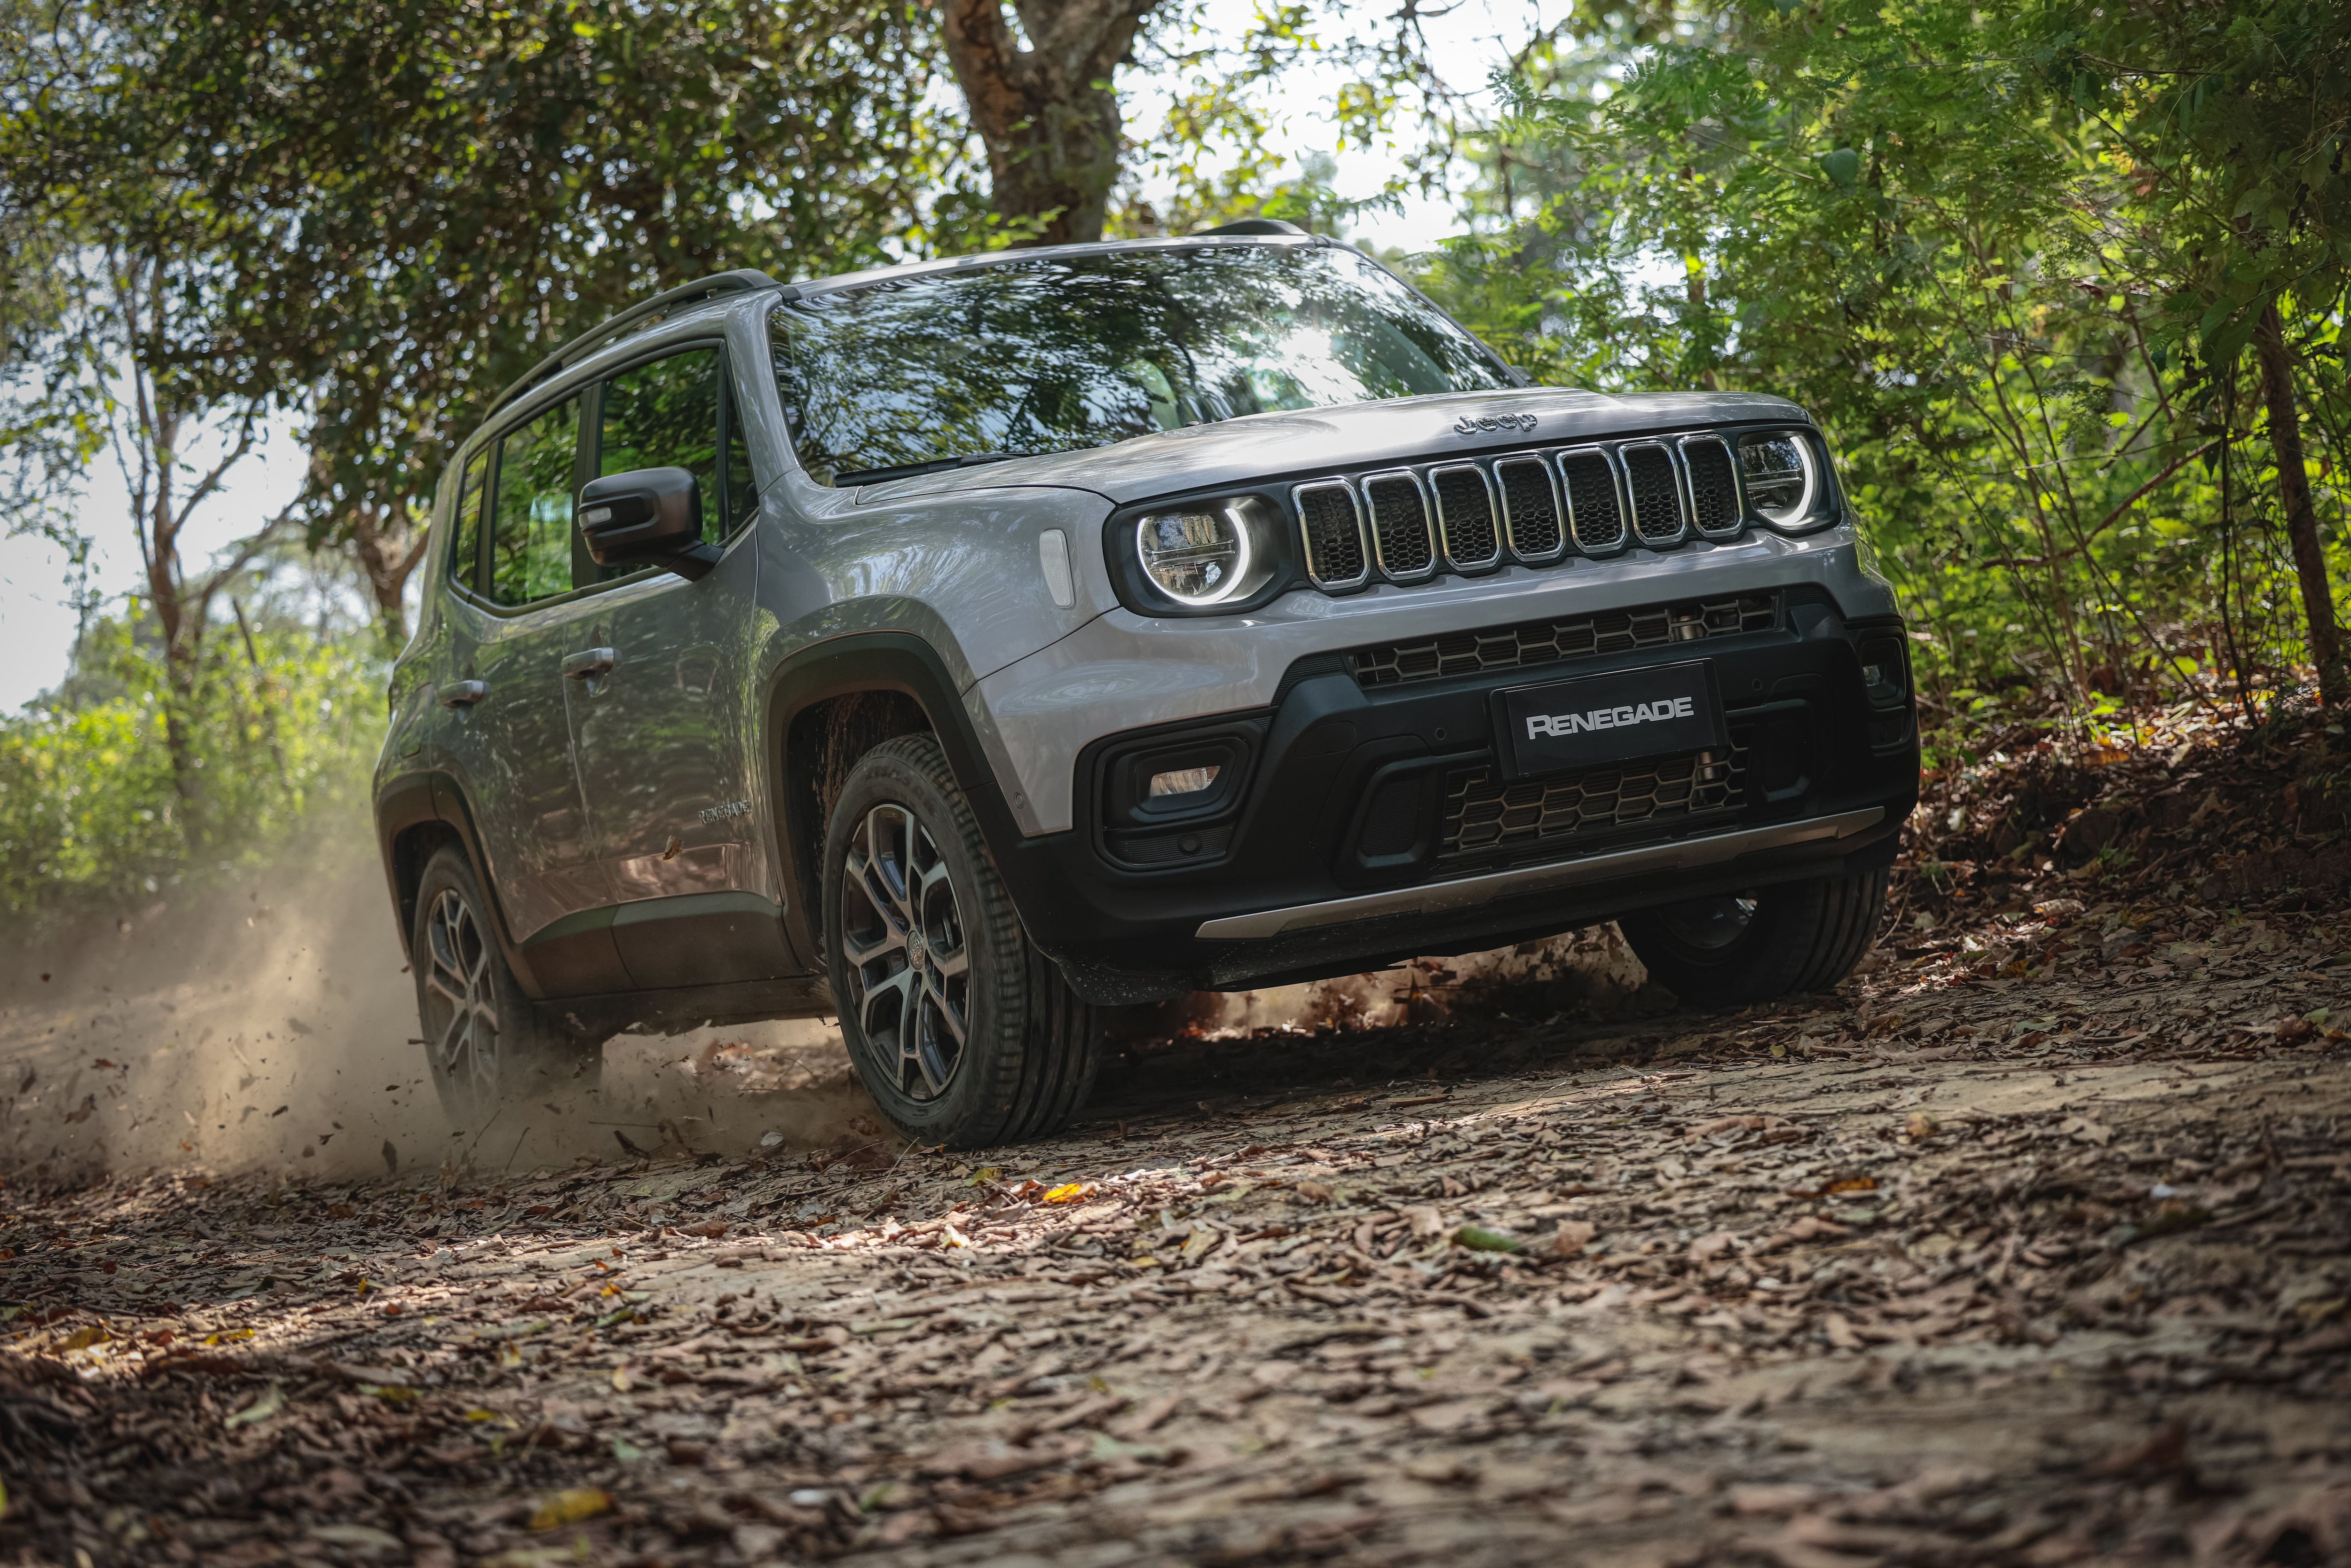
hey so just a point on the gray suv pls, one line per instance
(965, 647)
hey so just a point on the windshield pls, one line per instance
(1068, 351)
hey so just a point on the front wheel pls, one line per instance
(961, 1031)
(486, 1042)
(1731, 949)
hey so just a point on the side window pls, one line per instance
(466, 552)
(530, 524)
(666, 416)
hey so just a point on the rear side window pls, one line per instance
(530, 523)
(465, 553)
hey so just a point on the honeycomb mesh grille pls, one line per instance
(1334, 545)
(1400, 523)
(1591, 501)
(1466, 508)
(1533, 509)
(1714, 492)
(1656, 499)
(1482, 812)
(1549, 642)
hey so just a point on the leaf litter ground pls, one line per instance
(2029, 1246)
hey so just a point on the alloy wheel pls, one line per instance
(462, 1009)
(903, 935)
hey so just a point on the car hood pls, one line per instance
(1261, 446)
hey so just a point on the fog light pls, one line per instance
(1182, 781)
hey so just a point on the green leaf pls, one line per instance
(1478, 1239)
(1842, 167)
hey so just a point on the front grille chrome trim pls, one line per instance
(1694, 853)
(1379, 540)
(1445, 523)
(1511, 540)
(1577, 528)
(1738, 524)
(1306, 541)
(1680, 482)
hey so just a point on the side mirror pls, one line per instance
(646, 517)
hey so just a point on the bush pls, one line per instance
(89, 810)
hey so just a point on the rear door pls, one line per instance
(514, 616)
(663, 731)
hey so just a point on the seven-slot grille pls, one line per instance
(1407, 523)
(1548, 642)
(1483, 812)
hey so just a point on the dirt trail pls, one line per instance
(2032, 1246)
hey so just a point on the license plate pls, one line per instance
(1609, 718)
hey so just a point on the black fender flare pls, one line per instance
(411, 800)
(840, 667)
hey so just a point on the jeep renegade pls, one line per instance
(963, 646)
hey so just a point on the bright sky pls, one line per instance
(37, 621)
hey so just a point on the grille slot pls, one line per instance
(1592, 507)
(1332, 533)
(1656, 495)
(1400, 526)
(1713, 486)
(1530, 508)
(1549, 642)
(1483, 812)
(1465, 517)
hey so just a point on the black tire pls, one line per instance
(1733, 949)
(486, 1043)
(921, 939)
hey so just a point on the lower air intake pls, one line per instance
(1482, 812)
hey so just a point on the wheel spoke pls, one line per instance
(900, 987)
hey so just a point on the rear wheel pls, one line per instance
(486, 1042)
(961, 1031)
(1735, 948)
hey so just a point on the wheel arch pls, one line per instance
(826, 705)
(416, 817)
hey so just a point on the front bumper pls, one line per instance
(1361, 818)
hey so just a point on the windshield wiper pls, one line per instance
(908, 470)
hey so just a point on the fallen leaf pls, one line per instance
(1068, 1192)
(272, 1400)
(1573, 1237)
(1712, 1246)
(1478, 1239)
(1316, 1192)
(570, 1506)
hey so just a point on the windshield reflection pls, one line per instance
(1044, 355)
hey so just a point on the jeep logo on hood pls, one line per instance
(1467, 425)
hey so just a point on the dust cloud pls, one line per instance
(268, 1022)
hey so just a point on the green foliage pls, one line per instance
(1908, 219)
(89, 812)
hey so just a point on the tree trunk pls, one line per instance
(1046, 113)
(2300, 515)
(388, 560)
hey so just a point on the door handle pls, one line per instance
(588, 662)
(463, 694)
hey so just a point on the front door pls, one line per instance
(512, 619)
(661, 721)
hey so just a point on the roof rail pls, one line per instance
(735, 282)
(1254, 226)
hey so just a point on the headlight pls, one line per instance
(1207, 553)
(1781, 475)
